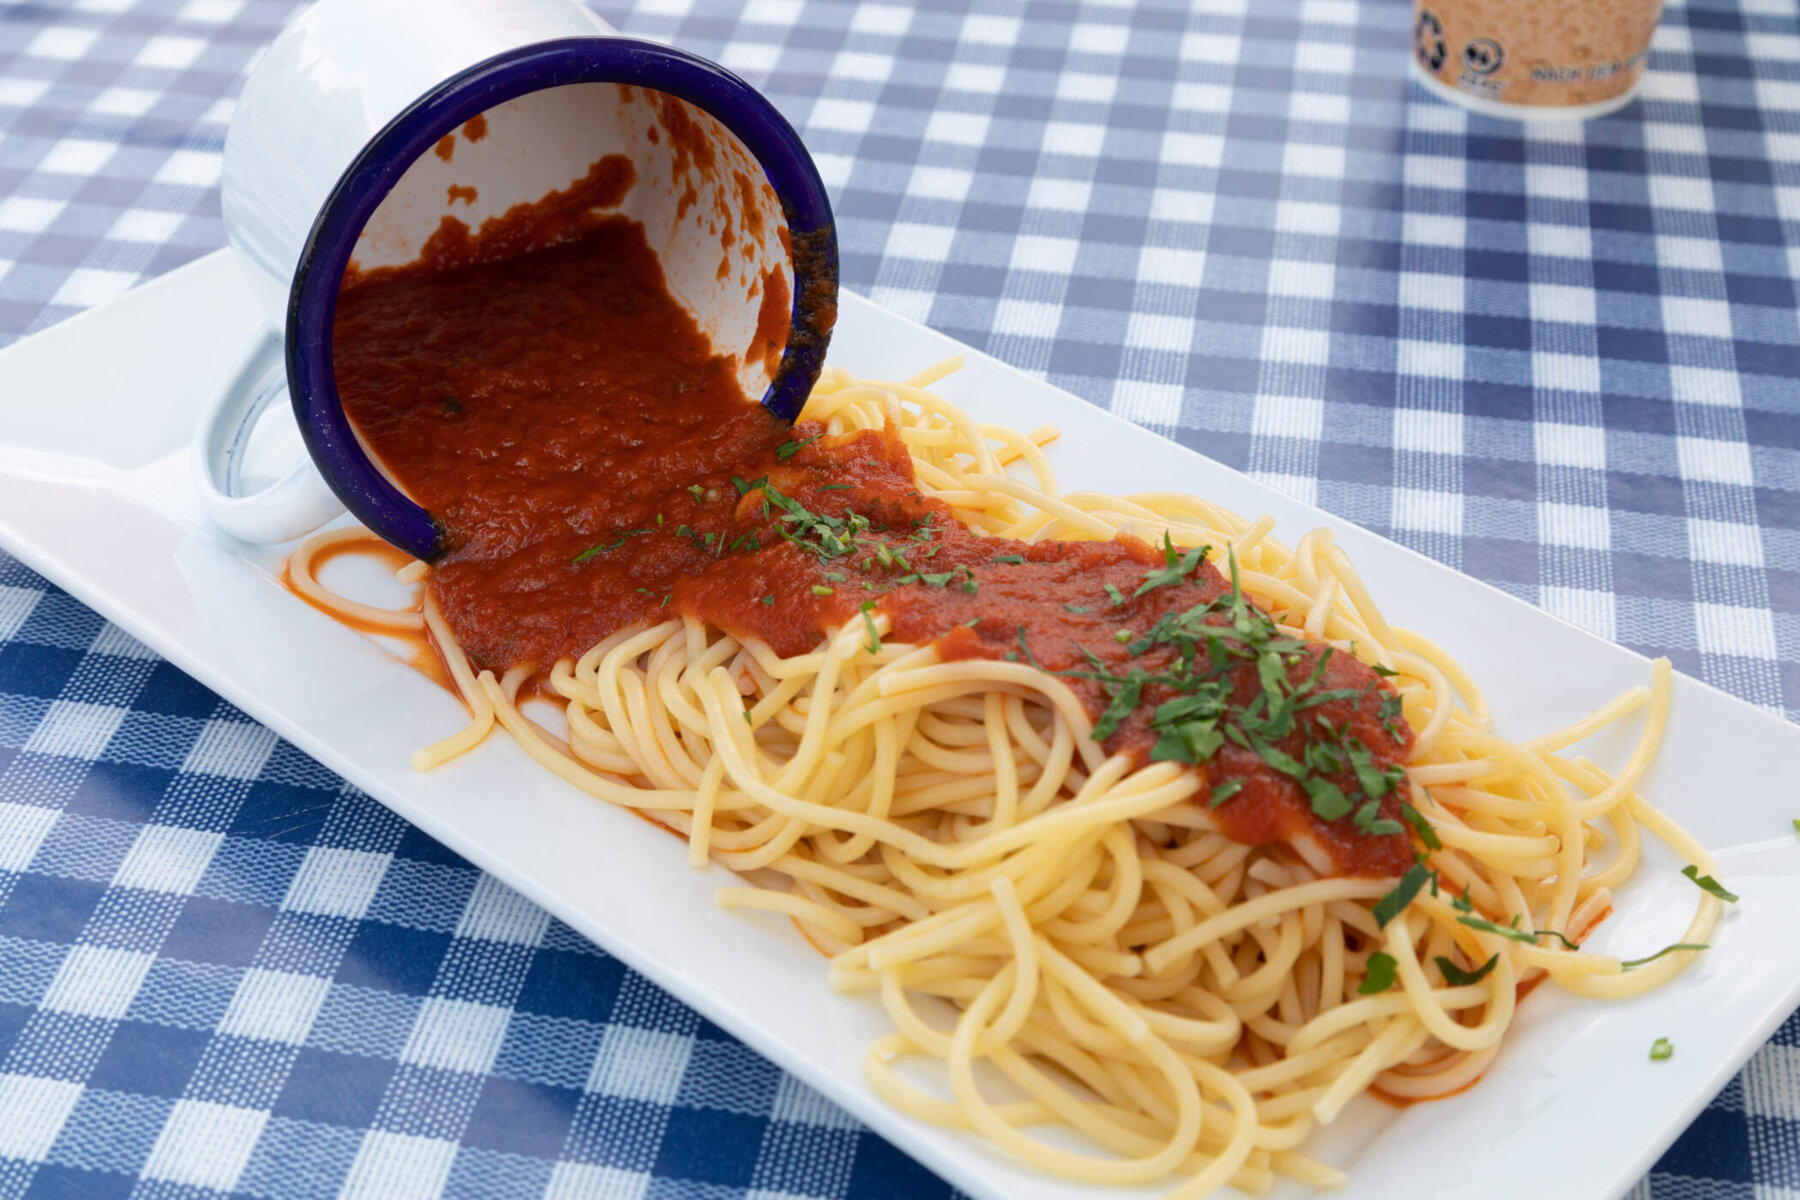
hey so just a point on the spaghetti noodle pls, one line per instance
(1072, 931)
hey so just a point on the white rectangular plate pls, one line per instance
(95, 493)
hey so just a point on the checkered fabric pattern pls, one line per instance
(1563, 359)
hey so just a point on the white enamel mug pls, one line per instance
(369, 123)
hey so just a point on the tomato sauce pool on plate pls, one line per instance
(594, 463)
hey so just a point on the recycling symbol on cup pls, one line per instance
(1483, 56)
(1428, 41)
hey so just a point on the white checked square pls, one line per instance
(1771, 1083)
(1787, 199)
(991, 31)
(191, 168)
(1291, 277)
(115, 641)
(1559, 241)
(1427, 431)
(1287, 344)
(1087, 37)
(498, 914)
(1705, 385)
(22, 214)
(1148, 403)
(1715, 461)
(1304, 488)
(456, 1035)
(640, 1064)
(1580, 525)
(834, 169)
(334, 882)
(957, 128)
(77, 156)
(797, 1104)
(1731, 629)
(22, 93)
(73, 729)
(1672, 138)
(1596, 612)
(398, 1166)
(870, 68)
(1032, 252)
(1555, 183)
(585, 1181)
(1059, 195)
(908, 302)
(23, 828)
(1689, 254)
(1319, 106)
(1561, 302)
(750, 58)
(234, 749)
(32, 1112)
(1555, 443)
(1677, 86)
(210, 12)
(940, 183)
(1328, 12)
(170, 53)
(1288, 416)
(1434, 171)
(1027, 318)
(205, 1145)
(1680, 191)
(97, 981)
(16, 604)
(909, 239)
(1301, 216)
(771, 12)
(847, 116)
(1778, 93)
(1154, 332)
(1160, 264)
(970, 77)
(889, 20)
(1423, 511)
(1435, 360)
(1335, 58)
(1201, 97)
(62, 42)
(1730, 542)
(1433, 229)
(145, 225)
(1317, 162)
(1701, 318)
(1074, 137)
(1565, 372)
(166, 858)
(124, 102)
(1180, 204)
(1784, 47)
(1436, 293)
(275, 1006)
(88, 286)
(1211, 47)
(1086, 87)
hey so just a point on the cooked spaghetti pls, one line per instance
(1135, 819)
(1195, 1005)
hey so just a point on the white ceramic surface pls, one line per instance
(332, 80)
(95, 492)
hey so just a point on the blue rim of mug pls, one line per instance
(366, 490)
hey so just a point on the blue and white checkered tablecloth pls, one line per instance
(1563, 359)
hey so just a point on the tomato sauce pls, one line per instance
(594, 463)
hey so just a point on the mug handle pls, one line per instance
(296, 504)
